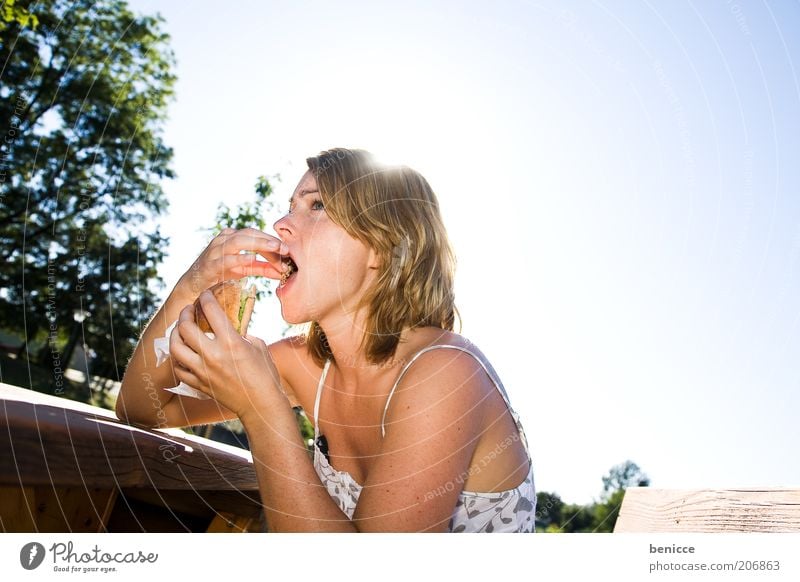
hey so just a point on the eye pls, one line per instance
(317, 205)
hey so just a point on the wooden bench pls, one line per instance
(647, 510)
(70, 467)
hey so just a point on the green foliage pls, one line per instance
(305, 426)
(10, 12)
(627, 474)
(248, 214)
(554, 516)
(84, 94)
(606, 512)
(549, 510)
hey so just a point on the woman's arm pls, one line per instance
(432, 429)
(239, 372)
(434, 423)
(293, 496)
(142, 398)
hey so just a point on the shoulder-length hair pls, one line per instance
(393, 210)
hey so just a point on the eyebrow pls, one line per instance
(302, 193)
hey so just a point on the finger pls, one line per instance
(216, 243)
(219, 322)
(221, 236)
(276, 261)
(238, 266)
(250, 239)
(183, 355)
(187, 313)
(190, 337)
(227, 242)
(188, 378)
(188, 330)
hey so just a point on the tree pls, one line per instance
(9, 12)
(248, 214)
(605, 513)
(576, 518)
(554, 516)
(549, 509)
(622, 476)
(619, 478)
(84, 88)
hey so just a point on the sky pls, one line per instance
(619, 181)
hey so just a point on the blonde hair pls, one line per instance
(393, 210)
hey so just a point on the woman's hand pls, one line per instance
(235, 371)
(221, 260)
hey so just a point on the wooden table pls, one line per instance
(647, 510)
(70, 467)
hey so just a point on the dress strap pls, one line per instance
(319, 393)
(496, 382)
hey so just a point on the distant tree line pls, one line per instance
(555, 516)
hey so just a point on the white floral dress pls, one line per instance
(512, 510)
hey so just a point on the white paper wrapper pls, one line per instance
(161, 347)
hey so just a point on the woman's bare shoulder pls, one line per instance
(298, 371)
(428, 337)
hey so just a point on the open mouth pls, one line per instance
(289, 269)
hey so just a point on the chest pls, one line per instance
(351, 424)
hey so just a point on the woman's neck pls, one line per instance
(353, 368)
(354, 372)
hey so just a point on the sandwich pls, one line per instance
(288, 268)
(236, 301)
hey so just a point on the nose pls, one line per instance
(284, 227)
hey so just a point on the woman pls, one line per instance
(413, 429)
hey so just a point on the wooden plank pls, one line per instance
(53, 449)
(60, 447)
(200, 503)
(229, 523)
(709, 510)
(44, 509)
(16, 393)
(11, 392)
(134, 516)
(73, 509)
(17, 509)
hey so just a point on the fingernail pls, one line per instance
(284, 250)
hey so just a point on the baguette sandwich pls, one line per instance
(236, 301)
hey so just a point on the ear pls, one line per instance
(373, 259)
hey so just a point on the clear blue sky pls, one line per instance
(619, 179)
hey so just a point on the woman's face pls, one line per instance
(333, 268)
